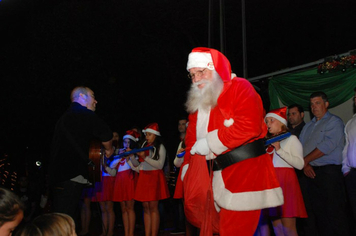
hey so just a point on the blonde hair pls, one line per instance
(52, 224)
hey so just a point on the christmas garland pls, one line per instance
(333, 64)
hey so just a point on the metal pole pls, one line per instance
(244, 50)
(222, 16)
(209, 23)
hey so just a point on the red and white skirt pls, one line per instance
(124, 187)
(151, 186)
(104, 189)
(293, 199)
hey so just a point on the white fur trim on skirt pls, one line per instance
(244, 201)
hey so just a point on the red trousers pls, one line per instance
(239, 223)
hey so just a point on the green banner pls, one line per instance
(296, 87)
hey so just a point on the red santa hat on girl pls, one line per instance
(132, 134)
(152, 128)
(210, 59)
(279, 114)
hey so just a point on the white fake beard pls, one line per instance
(206, 97)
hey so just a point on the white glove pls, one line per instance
(200, 147)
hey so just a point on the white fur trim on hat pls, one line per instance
(200, 59)
(149, 130)
(130, 137)
(284, 121)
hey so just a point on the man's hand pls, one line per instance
(200, 147)
(309, 171)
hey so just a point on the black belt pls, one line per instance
(250, 150)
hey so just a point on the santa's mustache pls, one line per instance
(202, 81)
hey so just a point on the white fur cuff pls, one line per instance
(214, 142)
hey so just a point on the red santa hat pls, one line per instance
(132, 134)
(279, 114)
(211, 59)
(152, 128)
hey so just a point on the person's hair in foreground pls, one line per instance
(11, 211)
(10, 206)
(52, 224)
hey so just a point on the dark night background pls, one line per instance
(133, 55)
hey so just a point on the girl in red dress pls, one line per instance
(104, 194)
(286, 155)
(124, 188)
(151, 184)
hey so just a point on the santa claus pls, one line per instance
(226, 127)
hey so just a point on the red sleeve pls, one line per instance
(247, 112)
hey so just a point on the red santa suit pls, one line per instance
(241, 189)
